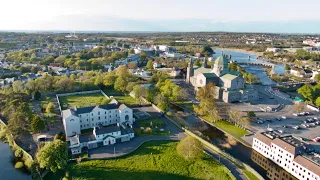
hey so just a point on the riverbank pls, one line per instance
(240, 50)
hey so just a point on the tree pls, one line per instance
(306, 91)
(317, 102)
(139, 91)
(130, 86)
(65, 84)
(287, 67)
(190, 148)
(99, 80)
(50, 108)
(131, 51)
(37, 95)
(206, 95)
(120, 84)
(60, 136)
(17, 86)
(149, 64)
(197, 62)
(162, 102)
(206, 50)
(37, 124)
(53, 155)
(132, 65)
(233, 66)
(143, 56)
(251, 114)
(109, 79)
(18, 123)
(234, 116)
(122, 71)
(317, 78)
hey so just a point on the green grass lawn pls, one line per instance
(153, 160)
(125, 99)
(187, 105)
(81, 100)
(231, 128)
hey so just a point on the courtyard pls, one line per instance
(82, 100)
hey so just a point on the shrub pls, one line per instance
(18, 153)
(169, 113)
(28, 162)
(64, 178)
(148, 130)
(18, 165)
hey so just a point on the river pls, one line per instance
(256, 70)
(7, 170)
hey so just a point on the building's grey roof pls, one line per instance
(83, 110)
(68, 112)
(86, 138)
(126, 131)
(106, 130)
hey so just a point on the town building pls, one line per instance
(299, 72)
(273, 50)
(229, 85)
(293, 155)
(109, 123)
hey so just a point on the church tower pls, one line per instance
(189, 71)
(220, 66)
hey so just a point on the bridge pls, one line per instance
(256, 64)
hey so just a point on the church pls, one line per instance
(230, 85)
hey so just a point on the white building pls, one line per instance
(102, 119)
(298, 72)
(273, 50)
(314, 73)
(293, 155)
(139, 49)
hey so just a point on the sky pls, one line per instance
(290, 16)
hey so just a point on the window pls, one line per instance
(99, 117)
(80, 126)
(92, 119)
(99, 113)
(105, 112)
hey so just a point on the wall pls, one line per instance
(82, 92)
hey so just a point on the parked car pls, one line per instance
(269, 120)
(280, 131)
(296, 114)
(317, 122)
(296, 127)
(278, 119)
(283, 117)
(315, 118)
(305, 125)
(285, 126)
(316, 139)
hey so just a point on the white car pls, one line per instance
(283, 117)
(295, 114)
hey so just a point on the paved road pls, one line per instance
(236, 172)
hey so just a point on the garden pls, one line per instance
(150, 127)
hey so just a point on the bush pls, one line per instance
(28, 162)
(18, 153)
(148, 130)
(64, 178)
(169, 113)
(19, 165)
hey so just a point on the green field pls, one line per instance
(81, 100)
(153, 160)
(125, 99)
(231, 128)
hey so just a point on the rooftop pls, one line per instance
(106, 130)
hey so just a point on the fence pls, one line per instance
(76, 93)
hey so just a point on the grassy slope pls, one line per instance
(82, 100)
(153, 160)
(231, 128)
